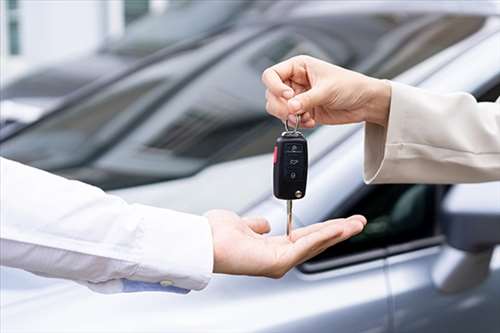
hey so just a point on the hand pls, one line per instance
(241, 248)
(324, 93)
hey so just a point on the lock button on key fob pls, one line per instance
(290, 166)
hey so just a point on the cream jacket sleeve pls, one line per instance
(434, 138)
(56, 227)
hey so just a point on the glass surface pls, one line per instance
(134, 9)
(396, 214)
(183, 19)
(14, 47)
(13, 27)
(12, 4)
(177, 117)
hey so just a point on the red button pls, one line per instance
(275, 155)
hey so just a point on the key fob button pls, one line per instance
(293, 148)
(294, 174)
(294, 161)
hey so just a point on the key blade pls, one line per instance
(289, 225)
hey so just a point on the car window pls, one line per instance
(216, 119)
(93, 124)
(396, 214)
(491, 93)
(425, 39)
(182, 20)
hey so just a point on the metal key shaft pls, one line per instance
(289, 225)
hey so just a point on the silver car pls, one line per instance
(202, 145)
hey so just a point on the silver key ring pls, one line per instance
(297, 124)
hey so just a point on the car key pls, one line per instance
(290, 168)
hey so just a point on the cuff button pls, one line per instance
(166, 283)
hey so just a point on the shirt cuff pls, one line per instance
(176, 248)
(383, 145)
(119, 286)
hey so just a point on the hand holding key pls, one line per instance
(240, 246)
(324, 93)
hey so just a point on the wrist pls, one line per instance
(379, 102)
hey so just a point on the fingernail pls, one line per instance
(288, 94)
(295, 104)
(359, 218)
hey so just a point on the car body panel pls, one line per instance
(349, 300)
(315, 7)
(417, 305)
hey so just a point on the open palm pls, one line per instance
(240, 246)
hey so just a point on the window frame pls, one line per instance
(380, 252)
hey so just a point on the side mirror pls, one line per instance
(470, 220)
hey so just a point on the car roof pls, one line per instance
(317, 8)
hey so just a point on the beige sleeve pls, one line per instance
(434, 138)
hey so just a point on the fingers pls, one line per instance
(286, 78)
(314, 243)
(312, 240)
(352, 226)
(302, 104)
(258, 224)
(274, 82)
(276, 106)
(305, 101)
(301, 232)
(348, 223)
(306, 120)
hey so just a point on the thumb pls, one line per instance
(305, 101)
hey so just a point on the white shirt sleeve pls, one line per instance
(61, 228)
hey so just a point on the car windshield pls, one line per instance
(203, 107)
(184, 19)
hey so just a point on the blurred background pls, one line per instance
(160, 102)
(39, 32)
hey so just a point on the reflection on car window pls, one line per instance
(423, 42)
(213, 121)
(396, 214)
(184, 19)
(156, 125)
(199, 134)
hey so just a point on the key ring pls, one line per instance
(297, 124)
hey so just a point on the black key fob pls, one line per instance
(290, 166)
